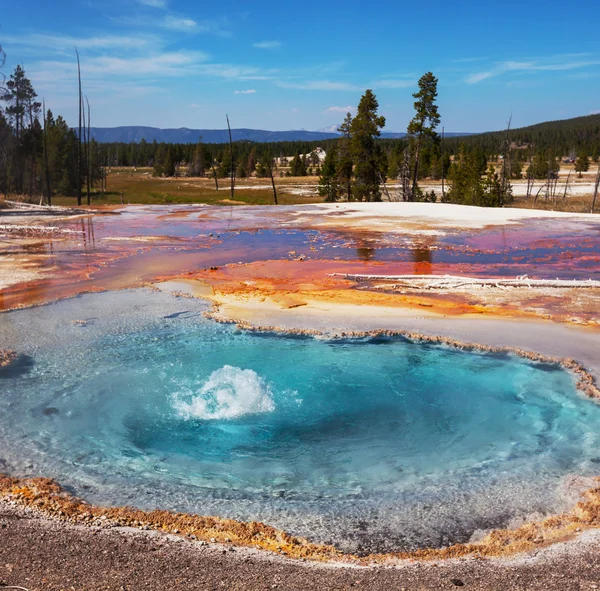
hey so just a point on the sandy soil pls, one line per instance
(41, 554)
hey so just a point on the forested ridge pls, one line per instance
(41, 155)
(563, 138)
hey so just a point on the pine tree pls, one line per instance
(582, 164)
(328, 181)
(344, 164)
(467, 187)
(364, 129)
(423, 124)
(159, 158)
(302, 169)
(197, 165)
(21, 105)
(494, 190)
(298, 165)
(20, 96)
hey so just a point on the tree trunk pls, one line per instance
(272, 180)
(46, 171)
(231, 158)
(566, 187)
(88, 159)
(79, 134)
(597, 185)
(443, 188)
(416, 171)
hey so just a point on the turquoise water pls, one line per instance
(373, 444)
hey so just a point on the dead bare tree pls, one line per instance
(548, 183)
(231, 158)
(385, 189)
(88, 152)
(46, 167)
(79, 134)
(554, 187)
(269, 162)
(530, 179)
(564, 198)
(405, 187)
(538, 193)
(506, 163)
(596, 186)
(214, 171)
(443, 171)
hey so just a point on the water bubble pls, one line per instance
(229, 393)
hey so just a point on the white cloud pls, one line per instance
(531, 66)
(467, 60)
(249, 91)
(104, 67)
(317, 85)
(339, 110)
(267, 44)
(195, 106)
(179, 23)
(154, 3)
(392, 83)
(175, 22)
(67, 42)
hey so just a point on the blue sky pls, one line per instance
(291, 65)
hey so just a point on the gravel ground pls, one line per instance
(41, 554)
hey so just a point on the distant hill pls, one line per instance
(184, 135)
(562, 137)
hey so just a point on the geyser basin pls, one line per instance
(373, 444)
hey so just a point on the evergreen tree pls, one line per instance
(423, 124)
(344, 163)
(251, 163)
(302, 169)
(169, 163)
(21, 113)
(20, 96)
(516, 169)
(197, 166)
(159, 158)
(495, 192)
(328, 181)
(582, 164)
(225, 168)
(364, 129)
(543, 165)
(298, 165)
(466, 185)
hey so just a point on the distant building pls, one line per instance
(314, 158)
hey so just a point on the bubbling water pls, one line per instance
(372, 444)
(229, 393)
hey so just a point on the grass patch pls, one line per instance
(140, 187)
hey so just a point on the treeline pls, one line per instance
(357, 166)
(560, 139)
(40, 155)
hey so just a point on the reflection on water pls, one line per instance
(423, 258)
(143, 243)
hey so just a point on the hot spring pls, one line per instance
(372, 444)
